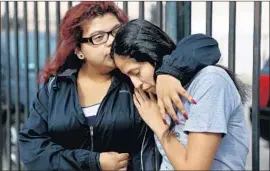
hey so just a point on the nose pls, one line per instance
(136, 82)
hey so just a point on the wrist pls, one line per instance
(160, 129)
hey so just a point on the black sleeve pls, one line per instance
(191, 55)
(38, 152)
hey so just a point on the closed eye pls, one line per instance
(136, 72)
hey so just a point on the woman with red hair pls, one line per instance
(83, 117)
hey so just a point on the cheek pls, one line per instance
(148, 77)
(93, 53)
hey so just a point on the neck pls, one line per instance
(93, 74)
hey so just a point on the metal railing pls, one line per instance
(177, 25)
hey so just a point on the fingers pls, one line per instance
(123, 156)
(135, 100)
(143, 94)
(123, 160)
(162, 111)
(176, 100)
(138, 96)
(137, 104)
(169, 107)
(124, 168)
(123, 164)
(152, 97)
(185, 94)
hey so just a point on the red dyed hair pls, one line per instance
(70, 31)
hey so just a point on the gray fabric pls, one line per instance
(219, 110)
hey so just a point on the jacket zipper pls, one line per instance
(100, 107)
(91, 136)
(92, 127)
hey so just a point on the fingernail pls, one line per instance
(193, 101)
(177, 122)
(185, 116)
(164, 121)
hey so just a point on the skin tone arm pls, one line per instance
(201, 147)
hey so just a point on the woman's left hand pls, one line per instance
(169, 89)
(148, 108)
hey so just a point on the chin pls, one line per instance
(107, 68)
(109, 65)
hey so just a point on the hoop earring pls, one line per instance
(81, 57)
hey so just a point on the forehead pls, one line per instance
(125, 63)
(100, 23)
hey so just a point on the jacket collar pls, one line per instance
(72, 74)
(67, 73)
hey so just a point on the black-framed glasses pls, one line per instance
(101, 37)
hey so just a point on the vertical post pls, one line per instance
(183, 19)
(69, 4)
(171, 19)
(47, 38)
(209, 11)
(159, 14)
(125, 7)
(269, 74)
(187, 17)
(36, 47)
(26, 71)
(1, 107)
(58, 18)
(180, 20)
(17, 81)
(256, 87)
(232, 18)
(8, 101)
(141, 9)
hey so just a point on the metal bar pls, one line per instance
(1, 114)
(17, 80)
(232, 18)
(159, 14)
(69, 4)
(256, 87)
(209, 14)
(36, 48)
(8, 124)
(58, 17)
(26, 71)
(171, 19)
(141, 9)
(47, 37)
(125, 7)
(187, 17)
(180, 20)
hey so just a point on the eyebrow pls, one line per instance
(101, 31)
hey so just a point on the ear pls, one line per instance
(77, 52)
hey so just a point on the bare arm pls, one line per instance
(198, 155)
